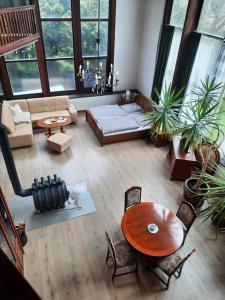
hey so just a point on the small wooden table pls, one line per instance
(41, 123)
(181, 164)
(165, 242)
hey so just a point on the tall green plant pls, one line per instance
(215, 197)
(164, 118)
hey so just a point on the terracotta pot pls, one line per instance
(196, 199)
(159, 140)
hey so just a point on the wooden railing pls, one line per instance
(18, 28)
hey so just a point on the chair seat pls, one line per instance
(125, 254)
(168, 264)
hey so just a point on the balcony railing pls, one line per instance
(18, 28)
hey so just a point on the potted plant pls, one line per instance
(215, 197)
(164, 117)
(197, 120)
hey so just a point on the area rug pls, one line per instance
(80, 203)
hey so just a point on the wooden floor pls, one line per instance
(67, 260)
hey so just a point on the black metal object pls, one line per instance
(47, 194)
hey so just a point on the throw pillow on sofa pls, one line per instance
(15, 109)
(22, 118)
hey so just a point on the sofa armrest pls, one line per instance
(73, 112)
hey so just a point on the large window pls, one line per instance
(177, 21)
(23, 71)
(68, 31)
(56, 22)
(94, 20)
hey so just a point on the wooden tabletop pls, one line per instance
(165, 242)
(41, 123)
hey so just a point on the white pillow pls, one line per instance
(22, 117)
(16, 109)
(131, 108)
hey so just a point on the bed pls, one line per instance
(115, 123)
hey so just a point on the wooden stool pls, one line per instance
(59, 142)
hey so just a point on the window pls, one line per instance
(23, 71)
(212, 20)
(56, 22)
(177, 21)
(68, 30)
(91, 15)
(178, 12)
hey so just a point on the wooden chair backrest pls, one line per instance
(129, 202)
(186, 213)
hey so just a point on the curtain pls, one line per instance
(163, 54)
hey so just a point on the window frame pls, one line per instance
(42, 60)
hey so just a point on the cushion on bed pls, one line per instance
(104, 111)
(140, 119)
(117, 124)
(131, 108)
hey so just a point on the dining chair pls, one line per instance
(132, 196)
(122, 255)
(171, 265)
(186, 213)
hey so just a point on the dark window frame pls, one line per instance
(77, 57)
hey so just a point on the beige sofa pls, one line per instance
(22, 135)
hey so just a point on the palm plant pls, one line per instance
(215, 197)
(199, 117)
(164, 117)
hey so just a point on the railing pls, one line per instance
(18, 28)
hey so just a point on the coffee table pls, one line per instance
(42, 123)
(165, 242)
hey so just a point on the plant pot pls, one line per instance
(160, 140)
(196, 199)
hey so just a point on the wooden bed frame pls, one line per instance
(122, 136)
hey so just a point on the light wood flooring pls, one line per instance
(67, 260)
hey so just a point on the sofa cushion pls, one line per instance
(35, 105)
(22, 103)
(7, 117)
(22, 136)
(38, 116)
(22, 118)
(62, 103)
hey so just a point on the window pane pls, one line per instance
(24, 77)
(1, 91)
(170, 67)
(61, 75)
(55, 8)
(89, 32)
(89, 9)
(210, 60)
(212, 18)
(22, 53)
(58, 39)
(178, 12)
(89, 79)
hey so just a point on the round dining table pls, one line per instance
(164, 241)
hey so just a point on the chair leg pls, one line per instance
(108, 255)
(168, 283)
(178, 272)
(114, 273)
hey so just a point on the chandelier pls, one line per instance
(100, 79)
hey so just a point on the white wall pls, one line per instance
(128, 33)
(152, 16)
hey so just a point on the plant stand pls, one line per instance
(181, 163)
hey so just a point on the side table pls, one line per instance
(181, 164)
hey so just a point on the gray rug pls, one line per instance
(80, 201)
